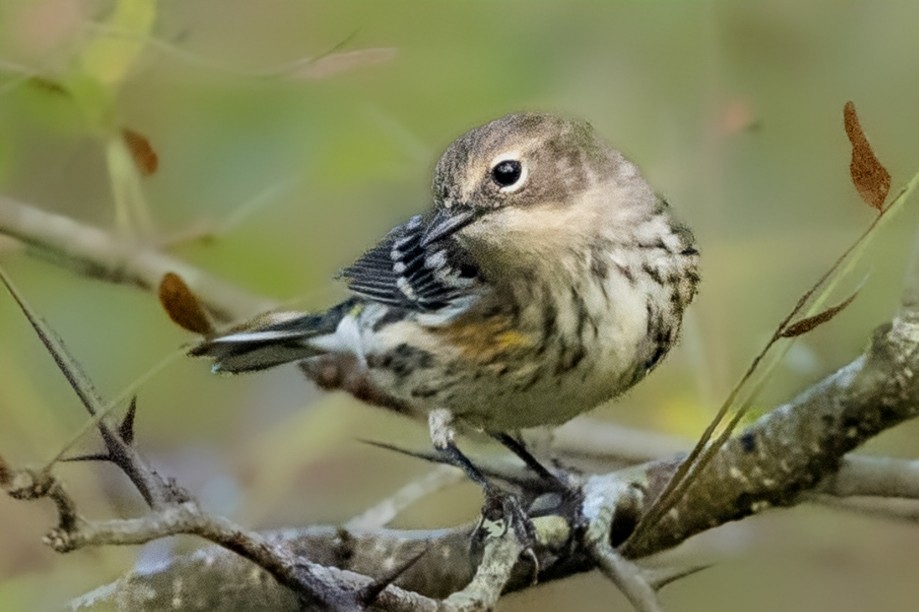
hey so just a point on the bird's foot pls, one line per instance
(503, 510)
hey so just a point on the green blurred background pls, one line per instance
(732, 108)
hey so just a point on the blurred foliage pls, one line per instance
(732, 108)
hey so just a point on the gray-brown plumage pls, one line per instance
(547, 278)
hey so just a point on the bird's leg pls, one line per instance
(440, 425)
(517, 447)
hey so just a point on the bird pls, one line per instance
(546, 278)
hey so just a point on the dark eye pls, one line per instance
(507, 173)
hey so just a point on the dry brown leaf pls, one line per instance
(806, 324)
(142, 151)
(182, 306)
(871, 179)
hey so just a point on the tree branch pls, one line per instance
(873, 476)
(95, 252)
(799, 447)
(795, 446)
(785, 453)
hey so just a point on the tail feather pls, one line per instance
(270, 340)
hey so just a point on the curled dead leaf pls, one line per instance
(871, 179)
(801, 327)
(182, 306)
(145, 157)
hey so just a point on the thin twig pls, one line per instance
(148, 483)
(101, 254)
(383, 512)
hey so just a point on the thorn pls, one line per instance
(368, 594)
(92, 457)
(445, 458)
(660, 578)
(126, 429)
(426, 456)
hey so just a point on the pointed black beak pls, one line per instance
(446, 222)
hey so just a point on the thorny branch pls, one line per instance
(796, 452)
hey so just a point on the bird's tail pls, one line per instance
(270, 340)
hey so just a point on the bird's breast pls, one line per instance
(538, 356)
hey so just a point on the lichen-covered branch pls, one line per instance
(793, 449)
(797, 445)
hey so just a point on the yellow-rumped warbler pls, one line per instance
(547, 278)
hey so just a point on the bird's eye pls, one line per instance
(508, 174)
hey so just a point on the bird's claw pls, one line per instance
(503, 511)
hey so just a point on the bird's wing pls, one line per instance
(407, 270)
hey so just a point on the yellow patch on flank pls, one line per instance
(484, 340)
(512, 339)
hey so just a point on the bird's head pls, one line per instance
(527, 183)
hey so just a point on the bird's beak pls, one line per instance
(446, 222)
